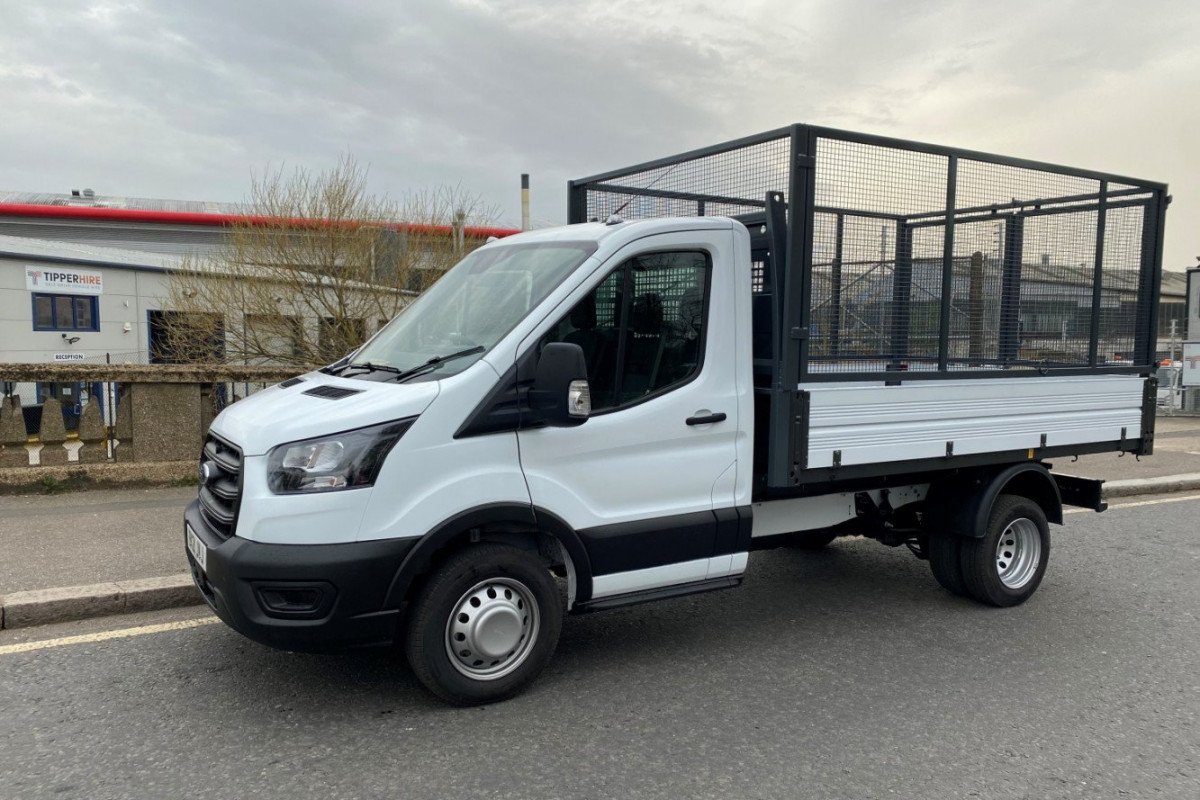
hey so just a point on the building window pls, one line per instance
(65, 312)
(182, 337)
(272, 339)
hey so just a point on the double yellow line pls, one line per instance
(103, 636)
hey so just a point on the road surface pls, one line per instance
(841, 674)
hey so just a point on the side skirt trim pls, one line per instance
(667, 575)
(662, 593)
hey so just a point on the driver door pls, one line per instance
(640, 480)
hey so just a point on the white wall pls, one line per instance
(126, 296)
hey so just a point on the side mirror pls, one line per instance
(560, 392)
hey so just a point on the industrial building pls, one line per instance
(84, 277)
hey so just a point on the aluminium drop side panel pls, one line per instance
(871, 423)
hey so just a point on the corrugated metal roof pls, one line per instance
(169, 240)
(115, 201)
(18, 246)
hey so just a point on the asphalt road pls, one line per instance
(844, 674)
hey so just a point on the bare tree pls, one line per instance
(315, 265)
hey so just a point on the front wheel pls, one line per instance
(1006, 565)
(485, 625)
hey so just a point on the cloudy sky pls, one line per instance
(184, 99)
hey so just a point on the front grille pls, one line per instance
(221, 494)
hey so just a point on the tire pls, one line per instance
(514, 591)
(945, 555)
(1009, 575)
(810, 540)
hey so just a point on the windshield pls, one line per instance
(473, 305)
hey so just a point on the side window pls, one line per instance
(642, 328)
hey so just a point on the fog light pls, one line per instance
(291, 599)
(295, 600)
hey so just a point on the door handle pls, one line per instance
(706, 419)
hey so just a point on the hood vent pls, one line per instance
(330, 392)
(291, 382)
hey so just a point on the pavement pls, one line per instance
(70, 549)
(840, 675)
(1176, 451)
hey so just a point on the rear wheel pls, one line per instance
(945, 555)
(485, 625)
(1006, 565)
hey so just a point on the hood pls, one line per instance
(283, 413)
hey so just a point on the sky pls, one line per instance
(185, 100)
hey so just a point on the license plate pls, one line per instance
(196, 548)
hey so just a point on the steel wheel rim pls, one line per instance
(1018, 553)
(492, 629)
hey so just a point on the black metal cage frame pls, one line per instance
(805, 192)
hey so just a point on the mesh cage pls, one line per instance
(924, 258)
(952, 263)
(728, 182)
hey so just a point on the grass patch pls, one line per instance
(73, 482)
(52, 485)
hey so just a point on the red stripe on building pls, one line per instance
(135, 215)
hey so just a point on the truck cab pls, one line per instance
(327, 502)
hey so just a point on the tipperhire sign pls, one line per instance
(60, 280)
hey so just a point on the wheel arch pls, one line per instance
(961, 504)
(512, 523)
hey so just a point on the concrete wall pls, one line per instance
(162, 412)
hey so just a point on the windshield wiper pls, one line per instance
(436, 362)
(367, 366)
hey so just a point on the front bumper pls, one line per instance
(244, 582)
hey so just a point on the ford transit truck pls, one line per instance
(775, 341)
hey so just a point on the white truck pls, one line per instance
(776, 341)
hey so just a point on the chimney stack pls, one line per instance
(524, 201)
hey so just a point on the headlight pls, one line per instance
(349, 460)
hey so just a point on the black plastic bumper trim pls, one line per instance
(354, 613)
